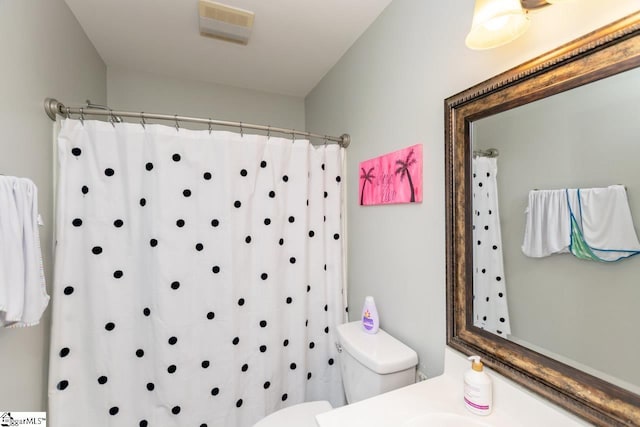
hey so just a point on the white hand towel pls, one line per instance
(23, 296)
(604, 218)
(548, 224)
(11, 260)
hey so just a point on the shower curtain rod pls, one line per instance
(489, 152)
(53, 107)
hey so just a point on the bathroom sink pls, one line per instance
(444, 419)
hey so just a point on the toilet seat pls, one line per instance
(301, 415)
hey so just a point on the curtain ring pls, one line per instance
(177, 125)
(209, 125)
(241, 131)
(68, 113)
(326, 140)
(268, 132)
(142, 122)
(82, 116)
(293, 135)
(111, 118)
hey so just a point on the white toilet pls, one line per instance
(371, 364)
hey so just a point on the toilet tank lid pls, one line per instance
(379, 352)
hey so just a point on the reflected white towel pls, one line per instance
(602, 215)
(548, 224)
(604, 218)
(23, 296)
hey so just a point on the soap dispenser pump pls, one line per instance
(477, 388)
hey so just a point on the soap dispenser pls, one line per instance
(477, 388)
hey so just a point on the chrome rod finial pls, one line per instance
(346, 140)
(53, 107)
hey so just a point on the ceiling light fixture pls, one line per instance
(495, 23)
(498, 22)
(225, 22)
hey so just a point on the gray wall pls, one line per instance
(587, 137)
(140, 91)
(387, 91)
(44, 53)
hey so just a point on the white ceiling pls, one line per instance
(293, 44)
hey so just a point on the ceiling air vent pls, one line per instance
(225, 22)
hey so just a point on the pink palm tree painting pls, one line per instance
(392, 178)
(366, 176)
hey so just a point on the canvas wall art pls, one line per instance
(392, 178)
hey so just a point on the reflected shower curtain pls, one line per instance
(490, 309)
(198, 277)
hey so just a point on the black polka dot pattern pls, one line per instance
(241, 244)
(490, 303)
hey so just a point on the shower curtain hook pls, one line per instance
(268, 131)
(175, 116)
(209, 125)
(326, 140)
(68, 113)
(82, 116)
(293, 135)
(111, 118)
(142, 122)
(241, 131)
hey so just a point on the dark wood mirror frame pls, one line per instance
(602, 53)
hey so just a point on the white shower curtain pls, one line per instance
(198, 277)
(490, 311)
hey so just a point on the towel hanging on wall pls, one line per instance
(593, 224)
(23, 296)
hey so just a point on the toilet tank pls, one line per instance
(373, 364)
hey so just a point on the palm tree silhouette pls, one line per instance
(368, 177)
(403, 170)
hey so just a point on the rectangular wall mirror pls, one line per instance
(562, 326)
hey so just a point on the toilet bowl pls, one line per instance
(370, 364)
(300, 415)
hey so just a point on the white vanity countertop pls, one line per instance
(512, 405)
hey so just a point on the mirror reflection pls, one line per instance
(559, 293)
